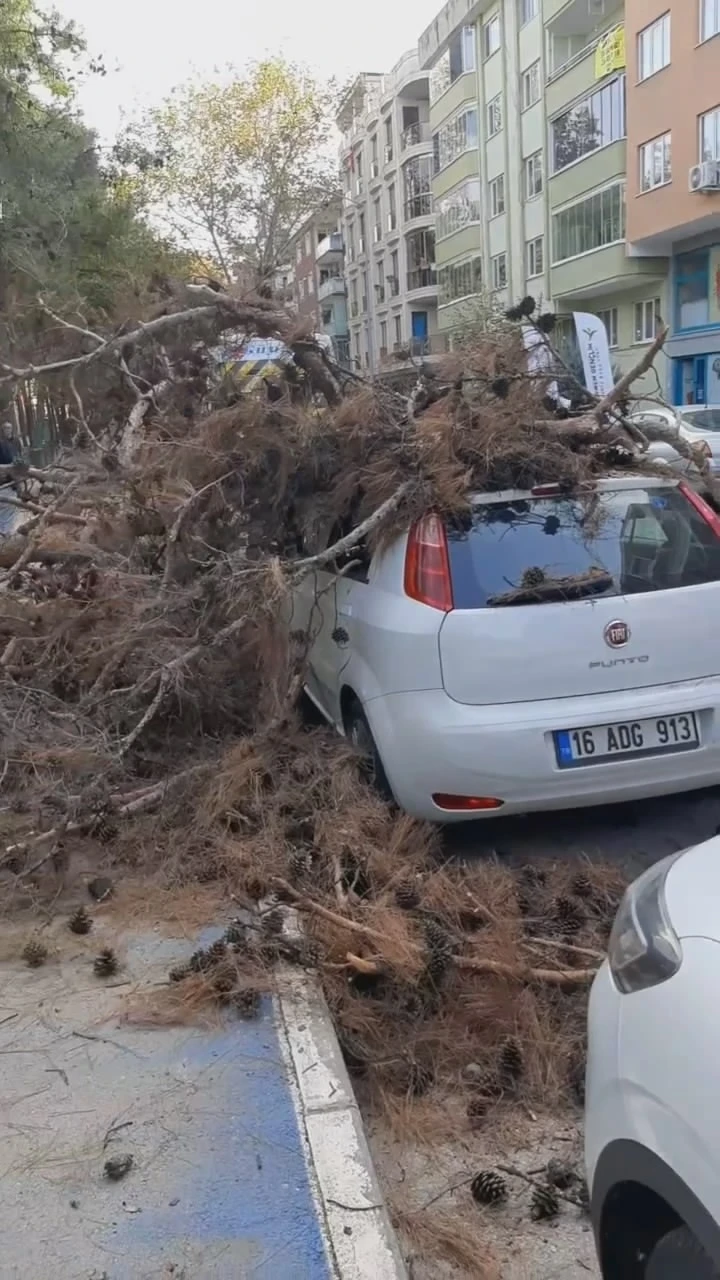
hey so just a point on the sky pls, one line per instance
(148, 46)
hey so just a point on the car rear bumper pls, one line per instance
(430, 744)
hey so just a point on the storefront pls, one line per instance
(694, 347)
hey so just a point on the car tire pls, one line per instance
(360, 735)
(680, 1256)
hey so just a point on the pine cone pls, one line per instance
(299, 864)
(510, 1064)
(407, 897)
(569, 916)
(100, 888)
(106, 830)
(582, 886)
(273, 921)
(105, 963)
(488, 1187)
(544, 1204)
(236, 935)
(80, 921)
(216, 952)
(440, 947)
(35, 953)
(532, 876)
(198, 962)
(560, 1174)
(477, 1109)
(179, 973)
(247, 1003)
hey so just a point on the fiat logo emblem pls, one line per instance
(616, 634)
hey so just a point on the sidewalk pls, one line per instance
(249, 1158)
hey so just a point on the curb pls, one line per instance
(360, 1235)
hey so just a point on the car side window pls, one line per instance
(353, 564)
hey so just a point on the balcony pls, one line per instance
(330, 250)
(602, 272)
(434, 344)
(332, 288)
(415, 135)
(419, 206)
(421, 278)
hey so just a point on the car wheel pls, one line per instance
(360, 735)
(680, 1256)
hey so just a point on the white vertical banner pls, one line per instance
(539, 356)
(595, 353)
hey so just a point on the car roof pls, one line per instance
(609, 483)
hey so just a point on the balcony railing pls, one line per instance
(418, 206)
(332, 287)
(422, 278)
(434, 344)
(330, 247)
(414, 135)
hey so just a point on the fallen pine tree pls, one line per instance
(149, 686)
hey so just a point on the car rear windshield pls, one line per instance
(605, 543)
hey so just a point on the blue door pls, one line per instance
(690, 382)
(419, 330)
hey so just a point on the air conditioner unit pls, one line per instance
(705, 176)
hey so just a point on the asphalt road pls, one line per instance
(634, 834)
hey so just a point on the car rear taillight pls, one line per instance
(466, 804)
(427, 564)
(702, 507)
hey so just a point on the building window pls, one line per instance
(460, 280)
(377, 222)
(610, 320)
(417, 187)
(655, 163)
(592, 223)
(383, 337)
(455, 137)
(709, 19)
(497, 196)
(397, 324)
(590, 124)
(535, 256)
(533, 175)
(710, 135)
(499, 271)
(654, 47)
(692, 290)
(392, 208)
(491, 36)
(494, 116)
(458, 209)
(361, 234)
(527, 10)
(530, 86)
(458, 58)
(646, 322)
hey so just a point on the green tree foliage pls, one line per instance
(68, 232)
(232, 169)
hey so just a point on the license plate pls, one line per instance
(628, 738)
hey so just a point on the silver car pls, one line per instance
(532, 655)
(698, 424)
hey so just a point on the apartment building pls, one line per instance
(673, 182)
(486, 74)
(319, 288)
(388, 220)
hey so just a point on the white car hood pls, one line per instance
(692, 891)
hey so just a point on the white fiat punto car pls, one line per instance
(481, 687)
(652, 1104)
